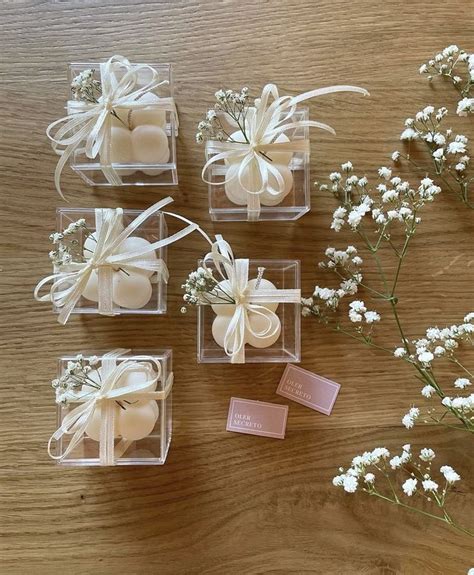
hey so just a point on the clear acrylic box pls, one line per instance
(153, 229)
(160, 172)
(151, 450)
(284, 274)
(293, 206)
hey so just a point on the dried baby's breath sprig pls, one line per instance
(443, 346)
(230, 111)
(448, 151)
(202, 288)
(76, 374)
(86, 88)
(401, 478)
(66, 244)
(457, 66)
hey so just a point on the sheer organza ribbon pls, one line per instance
(76, 421)
(87, 127)
(247, 300)
(69, 283)
(271, 117)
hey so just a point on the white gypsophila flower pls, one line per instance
(350, 484)
(439, 139)
(449, 474)
(462, 382)
(429, 485)
(354, 316)
(396, 462)
(438, 154)
(358, 305)
(371, 316)
(410, 418)
(396, 156)
(456, 147)
(460, 167)
(409, 487)
(427, 454)
(469, 317)
(425, 357)
(335, 177)
(369, 478)
(338, 481)
(408, 134)
(465, 106)
(347, 167)
(385, 173)
(471, 570)
(400, 352)
(428, 391)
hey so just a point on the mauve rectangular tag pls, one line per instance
(309, 389)
(257, 418)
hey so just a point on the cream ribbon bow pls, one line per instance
(76, 421)
(264, 124)
(69, 283)
(246, 300)
(87, 127)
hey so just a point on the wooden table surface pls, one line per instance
(224, 503)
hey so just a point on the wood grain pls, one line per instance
(225, 504)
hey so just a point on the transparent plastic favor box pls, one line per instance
(293, 206)
(152, 230)
(161, 168)
(151, 450)
(284, 274)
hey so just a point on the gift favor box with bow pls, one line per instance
(248, 309)
(282, 176)
(254, 329)
(101, 273)
(121, 124)
(257, 153)
(114, 408)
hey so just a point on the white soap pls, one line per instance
(237, 194)
(134, 243)
(283, 158)
(148, 115)
(89, 246)
(225, 312)
(120, 146)
(149, 144)
(223, 308)
(137, 421)
(219, 328)
(228, 309)
(259, 324)
(161, 160)
(91, 291)
(131, 291)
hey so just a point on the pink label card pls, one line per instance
(309, 389)
(257, 418)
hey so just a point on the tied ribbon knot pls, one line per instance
(70, 280)
(271, 118)
(88, 126)
(247, 300)
(76, 420)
